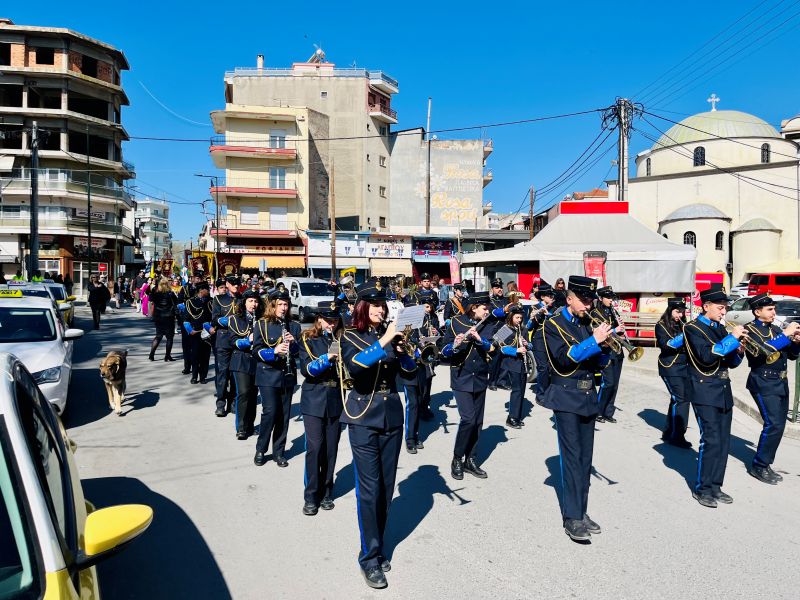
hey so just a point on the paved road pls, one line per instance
(225, 528)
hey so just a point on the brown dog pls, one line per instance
(112, 372)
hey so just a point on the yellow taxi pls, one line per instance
(52, 538)
(64, 301)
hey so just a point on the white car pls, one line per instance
(306, 294)
(739, 290)
(787, 307)
(30, 329)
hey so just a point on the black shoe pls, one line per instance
(471, 467)
(204, 380)
(600, 419)
(281, 462)
(241, 435)
(721, 496)
(260, 459)
(419, 445)
(457, 468)
(411, 447)
(185, 372)
(610, 420)
(220, 412)
(310, 509)
(762, 475)
(678, 443)
(576, 530)
(705, 500)
(193, 380)
(493, 388)
(169, 359)
(521, 422)
(513, 423)
(777, 476)
(151, 357)
(375, 578)
(386, 566)
(327, 503)
(590, 525)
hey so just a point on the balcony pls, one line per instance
(64, 182)
(274, 149)
(64, 226)
(488, 147)
(487, 178)
(487, 207)
(381, 81)
(270, 187)
(261, 225)
(383, 113)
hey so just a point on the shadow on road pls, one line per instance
(553, 480)
(88, 400)
(491, 437)
(170, 560)
(413, 502)
(140, 400)
(344, 482)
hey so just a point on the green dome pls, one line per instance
(716, 124)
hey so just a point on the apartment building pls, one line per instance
(70, 85)
(151, 220)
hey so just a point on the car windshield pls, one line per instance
(35, 293)
(59, 293)
(18, 324)
(18, 575)
(788, 308)
(315, 289)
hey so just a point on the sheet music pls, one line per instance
(503, 334)
(410, 315)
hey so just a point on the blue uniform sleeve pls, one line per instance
(447, 322)
(207, 327)
(499, 313)
(509, 350)
(182, 306)
(267, 354)
(586, 349)
(371, 355)
(486, 344)
(676, 342)
(187, 327)
(779, 342)
(319, 366)
(223, 321)
(243, 344)
(448, 351)
(725, 346)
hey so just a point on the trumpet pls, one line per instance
(345, 380)
(783, 324)
(348, 289)
(753, 346)
(514, 299)
(617, 343)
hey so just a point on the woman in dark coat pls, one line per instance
(98, 298)
(163, 303)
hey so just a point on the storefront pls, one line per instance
(432, 256)
(285, 258)
(351, 252)
(389, 255)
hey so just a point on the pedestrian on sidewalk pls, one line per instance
(145, 298)
(163, 302)
(98, 298)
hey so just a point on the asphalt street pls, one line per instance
(225, 528)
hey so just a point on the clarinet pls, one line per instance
(287, 370)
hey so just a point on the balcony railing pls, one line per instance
(275, 148)
(380, 108)
(70, 224)
(345, 72)
(488, 147)
(263, 222)
(65, 181)
(267, 186)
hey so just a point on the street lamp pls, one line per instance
(214, 179)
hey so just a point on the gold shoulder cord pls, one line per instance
(189, 310)
(547, 350)
(265, 334)
(672, 337)
(311, 354)
(237, 331)
(341, 387)
(691, 356)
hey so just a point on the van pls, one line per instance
(306, 293)
(784, 284)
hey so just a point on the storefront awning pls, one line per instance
(342, 262)
(274, 261)
(389, 267)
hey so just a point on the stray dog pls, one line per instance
(112, 372)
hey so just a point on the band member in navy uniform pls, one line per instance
(455, 305)
(241, 326)
(222, 305)
(374, 413)
(513, 365)
(321, 406)
(498, 307)
(672, 370)
(767, 382)
(186, 292)
(275, 345)
(609, 384)
(712, 351)
(575, 354)
(424, 291)
(197, 313)
(469, 351)
(543, 310)
(426, 373)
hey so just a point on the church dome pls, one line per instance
(695, 211)
(716, 124)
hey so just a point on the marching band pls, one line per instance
(568, 346)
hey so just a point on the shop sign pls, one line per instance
(389, 247)
(96, 242)
(97, 215)
(230, 249)
(433, 248)
(347, 247)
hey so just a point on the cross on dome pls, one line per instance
(713, 101)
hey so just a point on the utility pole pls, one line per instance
(530, 213)
(88, 203)
(624, 110)
(428, 175)
(34, 237)
(332, 219)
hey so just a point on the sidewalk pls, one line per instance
(648, 365)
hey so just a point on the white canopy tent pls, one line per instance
(639, 260)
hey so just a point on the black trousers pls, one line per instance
(715, 442)
(607, 394)
(542, 366)
(186, 348)
(246, 401)
(276, 404)
(413, 398)
(773, 409)
(575, 448)
(471, 406)
(515, 404)
(96, 312)
(222, 363)
(375, 456)
(199, 356)
(322, 445)
(425, 384)
(678, 413)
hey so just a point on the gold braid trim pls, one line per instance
(672, 337)
(692, 357)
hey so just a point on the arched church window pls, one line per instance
(718, 240)
(690, 239)
(648, 169)
(699, 156)
(765, 153)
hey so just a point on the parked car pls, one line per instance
(64, 301)
(786, 284)
(45, 290)
(306, 293)
(31, 329)
(787, 307)
(52, 538)
(740, 290)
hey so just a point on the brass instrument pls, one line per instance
(345, 380)
(615, 342)
(514, 299)
(752, 345)
(783, 324)
(615, 307)
(348, 289)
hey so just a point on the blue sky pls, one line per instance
(481, 63)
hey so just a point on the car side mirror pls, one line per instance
(108, 530)
(64, 307)
(71, 298)
(73, 334)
